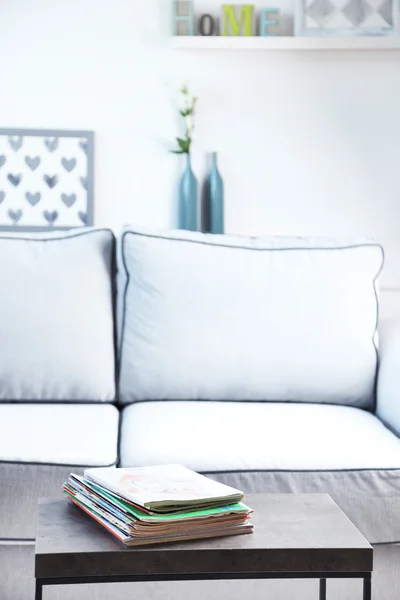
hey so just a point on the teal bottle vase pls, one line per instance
(188, 199)
(214, 199)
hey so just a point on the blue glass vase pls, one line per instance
(215, 198)
(188, 194)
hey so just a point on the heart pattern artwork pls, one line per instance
(46, 179)
(33, 199)
(51, 217)
(51, 180)
(15, 180)
(69, 164)
(68, 199)
(15, 142)
(32, 163)
(15, 215)
(51, 144)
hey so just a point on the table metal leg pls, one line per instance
(322, 589)
(367, 588)
(39, 588)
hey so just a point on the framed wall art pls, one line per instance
(46, 179)
(347, 17)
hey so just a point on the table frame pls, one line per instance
(366, 577)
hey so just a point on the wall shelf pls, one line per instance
(285, 43)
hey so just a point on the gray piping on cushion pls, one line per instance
(376, 328)
(66, 402)
(208, 472)
(204, 243)
(305, 471)
(49, 464)
(55, 239)
(123, 406)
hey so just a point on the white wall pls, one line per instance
(309, 142)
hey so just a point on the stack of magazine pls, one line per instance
(153, 505)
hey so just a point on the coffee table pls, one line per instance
(296, 536)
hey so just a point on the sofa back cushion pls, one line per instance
(205, 317)
(56, 317)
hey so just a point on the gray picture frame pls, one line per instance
(300, 28)
(89, 137)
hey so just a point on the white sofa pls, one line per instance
(254, 360)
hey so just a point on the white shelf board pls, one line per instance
(285, 43)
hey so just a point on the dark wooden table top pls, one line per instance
(303, 533)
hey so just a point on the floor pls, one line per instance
(17, 583)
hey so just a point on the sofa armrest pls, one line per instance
(388, 387)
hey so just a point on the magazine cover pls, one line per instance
(163, 486)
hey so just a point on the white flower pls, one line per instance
(184, 102)
(189, 123)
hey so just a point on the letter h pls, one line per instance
(183, 14)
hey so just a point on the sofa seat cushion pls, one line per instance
(56, 318)
(231, 436)
(205, 317)
(59, 434)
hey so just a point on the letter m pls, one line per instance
(234, 26)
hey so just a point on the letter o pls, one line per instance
(207, 25)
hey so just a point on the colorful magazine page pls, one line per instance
(106, 524)
(73, 489)
(138, 540)
(139, 528)
(84, 485)
(164, 487)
